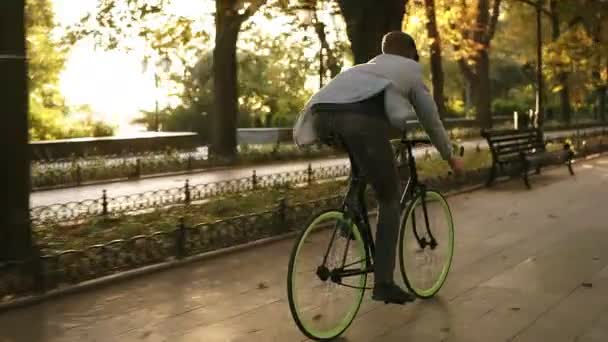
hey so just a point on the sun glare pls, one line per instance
(113, 83)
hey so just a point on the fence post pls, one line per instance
(138, 168)
(78, 174)
(104, 202)
(254, 180)
(309, 174)
(180, 239)
(282, 211)
(187, 191)
(37, 270)
(189, 162)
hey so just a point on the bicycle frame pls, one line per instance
(355, 209)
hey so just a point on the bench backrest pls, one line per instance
(507, 145)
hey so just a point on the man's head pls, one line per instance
(401, 44)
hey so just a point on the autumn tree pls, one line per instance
(579, 54)
(472, 34)
(436, 62)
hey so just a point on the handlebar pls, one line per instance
(415, 142)
(423, 141)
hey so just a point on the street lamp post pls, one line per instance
(307, 17)
(165, 65)
(320, 28)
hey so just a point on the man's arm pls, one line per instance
(428, 116)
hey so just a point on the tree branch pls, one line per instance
(466, 70)
(493, 22)
(535, 4)
(251, 9)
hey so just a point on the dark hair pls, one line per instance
(399, 43)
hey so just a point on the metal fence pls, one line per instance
(44, 272)
(77, 171)
(184, 195)
(188, 193)
(80, 171)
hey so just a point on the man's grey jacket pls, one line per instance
(406, 97)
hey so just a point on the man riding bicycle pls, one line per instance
(359, 105)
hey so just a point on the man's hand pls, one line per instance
(457, 165)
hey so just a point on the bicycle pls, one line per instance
(350, 225)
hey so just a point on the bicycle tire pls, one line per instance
(296, 311)
(410, 210)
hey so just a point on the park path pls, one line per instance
(48, 197)
(521, 259)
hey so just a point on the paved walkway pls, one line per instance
(41, 198)
(521, 259)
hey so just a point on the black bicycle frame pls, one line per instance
(355, 209)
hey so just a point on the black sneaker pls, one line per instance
(391, 293)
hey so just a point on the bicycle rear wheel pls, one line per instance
(426, 244)
(322, 306)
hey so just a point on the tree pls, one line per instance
(581, 50)
(474, 33)
(49, 115)
(46, 60)
(273, 70)
(117, 19)
(15, 232)
(229, 16)
(562, 77)
(435, 58)
(367, 21)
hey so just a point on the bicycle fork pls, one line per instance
(423, 242)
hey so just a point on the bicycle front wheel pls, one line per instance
(426, 244)
(323, 299)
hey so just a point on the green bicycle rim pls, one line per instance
(291, 286)
(430, 292)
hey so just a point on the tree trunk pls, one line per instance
(562, 78)
(602, 103)
(564, 96)
(483, 98)
(15, 233)
(224, 116)
(478, 80)
(482, 92)
(367, 21)
(437, 76)
(470, 82)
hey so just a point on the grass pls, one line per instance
(100, 230)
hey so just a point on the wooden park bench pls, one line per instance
(525, 149)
